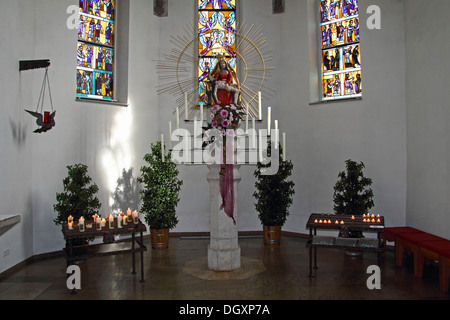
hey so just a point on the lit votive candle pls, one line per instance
(320, 221)
(135, 216)
(337, 222)
(98, 223)
(81, 224)
(373, 220)
(342, 221)
(364, 220)
(124, 220)
(70, 218)
(315, 221)
(119, 221)
(111, 221)
(378, 220)
(329, 221)
(70, 225)
(353, 217)
(129, 217)
(103, 222)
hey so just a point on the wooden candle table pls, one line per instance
(75, 252)
(368, 223)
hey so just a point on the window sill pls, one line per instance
(109, 102)
(335, 101)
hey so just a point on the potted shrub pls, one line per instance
(274, 195)
(159, 194)
(79, 197)
(352, 194)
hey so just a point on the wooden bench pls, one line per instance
(424, 246)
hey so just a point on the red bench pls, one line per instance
(424, 246)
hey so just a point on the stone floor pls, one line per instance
(180, 273)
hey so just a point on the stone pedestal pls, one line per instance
(224, 252)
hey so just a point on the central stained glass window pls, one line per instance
(216, 36)
(341, 52)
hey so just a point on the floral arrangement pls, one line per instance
(225, 118)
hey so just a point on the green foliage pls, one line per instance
(78, 198)
(160, 193)
(352, 194)
(274, 193)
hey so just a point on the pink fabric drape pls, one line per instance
(226, 181)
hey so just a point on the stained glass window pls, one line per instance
(95, 49)
(216, 36)
(341, 52)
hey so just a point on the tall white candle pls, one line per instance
(185, 106)
(246, 118)
(259, 106)
(253, 133)
(162, 147)
(260, 146)
(276, 133)
(186, 146)
(170, 134)
(201, 114)
(284, 145)
(178, 118)
(269, 110)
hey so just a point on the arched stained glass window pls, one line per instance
(95, 49)
(341, 52)
(216, 36)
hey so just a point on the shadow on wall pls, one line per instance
(126, 194)
(18, 132)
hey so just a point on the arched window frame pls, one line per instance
(340, 50)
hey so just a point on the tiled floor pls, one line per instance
(180, 273)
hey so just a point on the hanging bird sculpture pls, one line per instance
(44, 124)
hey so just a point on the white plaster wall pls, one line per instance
(428, 116)
(17, 19)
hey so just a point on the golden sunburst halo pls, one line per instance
(178, 70)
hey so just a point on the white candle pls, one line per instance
(186, 146)
(170, 134)
(162, 147)
(128, 215)
(276, 133)
(253, 133)
(259, 105)
(111, 221)
(124, 220)
(70, 225)
(185, 106)
(135, 216)
(98, 223)
(284, 145)
(201, 114)
(246, 119)
(260, 146)
(119, 221)
(195, 129)
(178, 118)
(269, 110)
(81, 224)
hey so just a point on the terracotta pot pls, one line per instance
(159, 238)
(272, 235)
